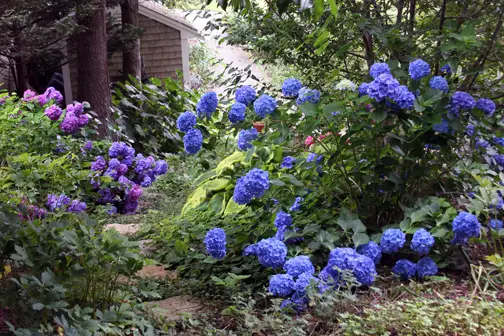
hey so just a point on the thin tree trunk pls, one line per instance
(442, 15)
(92, 64)
(400, 6)
(367, 38)
(21, 75)
(412, 15)
(131, 56)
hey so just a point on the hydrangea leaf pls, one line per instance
(204, 177)
(217, 184)
(360, 238)
(349, 221)
(233, 208)
(228, 162)
(379, 116)
(309, 109)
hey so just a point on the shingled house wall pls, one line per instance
(160, 47)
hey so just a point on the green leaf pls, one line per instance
(405, 224)
(334, 8)
(195, 199)
(38, 306)
(419, 216)
(233, 208)
(277, 182)
(343, 49)
(349, 221)
(308, 109)
(204, 177)
(360, 238)
(379, 116)
(217, 184)
(228, 162)
(318, 8)
(181, 247)
(332, 107)
(322, 38)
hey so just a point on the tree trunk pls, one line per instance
(92, 64)
(442, 14)
(21, 74)
(131, 56)
(368, 38)
(400, 6)
(412, 15)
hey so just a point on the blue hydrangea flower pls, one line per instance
(56, 202)
(405, 269)
(193, 140)
(264, 105)
(296, 206)
(160, 168)
(88, 146)
(245, 137)
(496, 224)
(130, 207)
(419, 69)
(404, 98)
(122, 152)
(215, 242)
(446, 69)
(392, 240)
(486, 105)
(288, 162)
(439, 83)
(245, 95)
(291, 87)
(469, 130)
(364, 270)
(320, 159)
(311, 157)
(461, 101)
(482, 143)
(299, 265)
(465, 226)
(99, 164)
(378, 69)
(237, 112)
(426, 267)
(271, 252)
(498, 141)
(422, 242)
(281, 285)
(342, 258)
(471, 194)
(112, 210)
(382, 87)
(499, 159)
(250, 250)
(253, 184)
(308, 95)
(303, 282)
(207, 104)
(77, 206)
(443, 127)
(280, 234)
(363, 89)
(371, 250)
(283, 219)
(186, 121)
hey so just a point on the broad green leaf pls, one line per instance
(195, 199)
(379, 116)
(204, 177)
(332, 107)
(217, 184)
(309, 109)
(360, 238)
(405, 224)
(277, 182)
(318, 8)
(233, 208)
(343, 49)
(419, 216)
(349, 221)
(181, 247)
(334, 8)
(322, 38)
(228, 162)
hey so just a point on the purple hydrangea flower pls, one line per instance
(264, 105)
(245, 95)
(495, 224)
(160, 168)
(143, 164)
(498, 141)
(469, 130)
(439, 83)
(83, 120)
(392, 240)
(404, 98)
(130, 207)
(482, 143)
(99, 164)
(245, 137)
(186, 121)
(252, 185)
(499, 159)
(281, 285)
(215, 242)
(283, 219)
(271, 252)
(291, 87)
(465, 226)
(461, 101)
(371, 250)
(308, 95)
(422, 242)
(112, 210)
(56, 202)
(207, 104)
(75, 108)
(311, 157)
(134, 193)
(363, 89)
(405, 269)
(70, 123)
(146, 181)
(379, 68)
(384, 86)
(296, 206)
(419, 69)
(29, 95)
(237, 112)
(77, 206)
(446, 69)
(299, 265)
(53, 94)
(426, 267)
(193, 141)
(486, 105)
(443, 127)
(288, 162)
(88, 146)
(53, 112)
(42, 100)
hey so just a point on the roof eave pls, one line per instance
(190, 32)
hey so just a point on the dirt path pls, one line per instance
(232, 55)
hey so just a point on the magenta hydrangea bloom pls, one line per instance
(53, 112)
(70, 123)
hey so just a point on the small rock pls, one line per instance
(172, 309)
(124, 229)
(156, 272)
